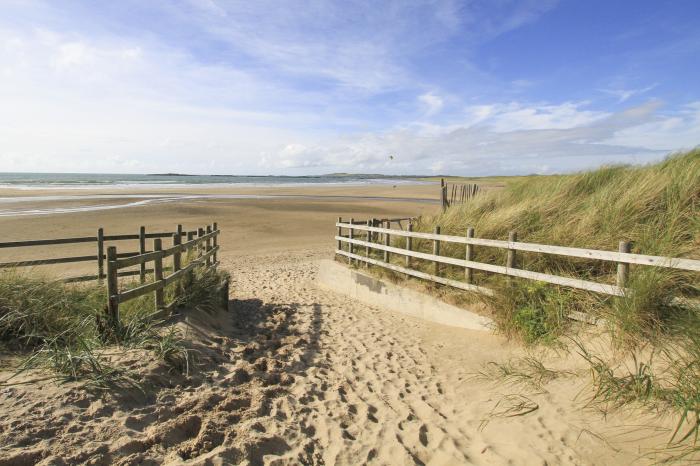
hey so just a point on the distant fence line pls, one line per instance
(458, 193)
(369, 236)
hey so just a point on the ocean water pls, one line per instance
(90, 181)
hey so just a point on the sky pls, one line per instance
(491, 87)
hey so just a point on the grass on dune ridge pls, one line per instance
(657, 323)
(656, 207)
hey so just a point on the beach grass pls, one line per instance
(60, 326)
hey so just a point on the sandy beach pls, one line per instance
(295, 374)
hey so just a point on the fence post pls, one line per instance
(369, 240)
(351, 234)
(200, 246)
(511, 262)
(112, 288)
(409, 245)
(443, 193)
(387, 240)
(436, 251)
(469, 255)
(100, 255)
(623, 269)
(177, 256)
(158, 272)
(215, 243)
(208, 246)
(340, 233)
(142, 250)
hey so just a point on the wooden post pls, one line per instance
(443, 193)
(177, 256)
(100, 255)
(142, 250)
(158, 272)
(387, 241)
(340, 233)
(511, 262)
(112, 288)
(200, 246)
(369, 240)
(436, 251)
(208, 246)
(623, 269)
(409, 245)
(469, 255)
(351, 247)
(215, 243)
(178, 230)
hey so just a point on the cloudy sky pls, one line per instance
(309, 87)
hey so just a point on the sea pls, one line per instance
(116, 193)
(95, 180)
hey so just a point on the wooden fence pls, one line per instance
(369, 237)
(99, 257)
(205, 246)
(456, 193)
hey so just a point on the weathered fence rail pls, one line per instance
(623, 258)
(205, 245)
(99, 257)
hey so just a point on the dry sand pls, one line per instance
(293, 374)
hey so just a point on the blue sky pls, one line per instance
(307, 87)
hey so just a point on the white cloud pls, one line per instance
(625, 94)
(431, 102)
(564, 136)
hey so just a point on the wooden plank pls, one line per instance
(100, 254)
(350, 235)
(215, 242)
(510, 259)
(142, 249)
(594, 254)
(139, 259)
(387, 242)
(177, 257)
(469, 256)
(436, 252)
(112, 287)
(207, 246)
(120, 237)
(57, 260)
(543, 277)
(623, 270)
(43, 242)
(128, 295)
(158, 274)
(409, 246)
(417, 274)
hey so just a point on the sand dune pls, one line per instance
(294, 374)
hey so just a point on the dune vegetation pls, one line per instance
(655, 327)
(62, 326)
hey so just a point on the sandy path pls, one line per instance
(299, 375)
